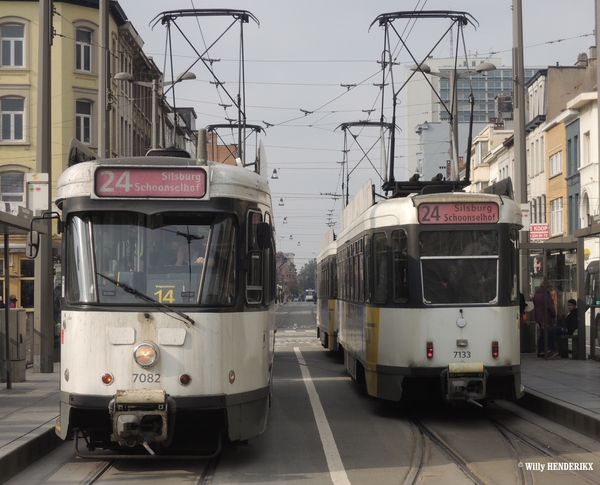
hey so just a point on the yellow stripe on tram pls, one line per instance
(372, 348)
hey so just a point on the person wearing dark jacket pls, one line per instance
(571, 318)
(567, 328)
(543, 304)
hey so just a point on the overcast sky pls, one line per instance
(301, 54)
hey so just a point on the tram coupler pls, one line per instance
(465, 381)
(140, 416)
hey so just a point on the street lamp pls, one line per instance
(453, 78)
(126, 76)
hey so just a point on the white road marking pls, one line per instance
(334, 461)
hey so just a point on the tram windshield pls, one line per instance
(459, 266)
(174, 258)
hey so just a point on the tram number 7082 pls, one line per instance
(146, 378)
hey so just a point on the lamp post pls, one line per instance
(453, 78)
(125, 76)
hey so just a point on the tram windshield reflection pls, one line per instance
(459, 267)
(175, 258)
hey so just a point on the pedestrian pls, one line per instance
(567, 328)
(571, 318)
(13, 301)
(545, 316)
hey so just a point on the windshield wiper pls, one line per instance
(146, 298)
(189, 237)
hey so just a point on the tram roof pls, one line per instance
(223, 180)
(398, 211)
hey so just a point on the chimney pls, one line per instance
(593, 53)
(582, 60)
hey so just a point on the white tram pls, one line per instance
(428, 295)
(327, 316)
(167, 327)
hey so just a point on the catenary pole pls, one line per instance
(43, 337)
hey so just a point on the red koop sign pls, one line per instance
(538, 231)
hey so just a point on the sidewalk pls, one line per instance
(28, 412)
(563, 390)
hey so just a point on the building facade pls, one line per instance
(421, 106)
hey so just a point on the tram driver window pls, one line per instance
(459, 266)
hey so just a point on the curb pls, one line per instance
(563, 413)
(26, 450)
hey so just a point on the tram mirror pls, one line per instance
(32, 245)
(263, 235)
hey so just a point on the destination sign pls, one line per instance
(459, 213)
(154, 182)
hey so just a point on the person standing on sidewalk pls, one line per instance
(544, 304)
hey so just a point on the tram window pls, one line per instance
(334, 280)
(163, 256)
(514, 265)
(269, 262)
(459, 266)
(361, 274)
(368, 271)
(380, 267)
(254, 277)
(354, 277)
(400, 273)
(79, 257)
(218, 287)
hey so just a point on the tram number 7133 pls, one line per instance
(462, 354)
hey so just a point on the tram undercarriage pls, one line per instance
(161, 424)
(457, 382)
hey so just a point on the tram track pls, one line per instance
(528, 454)
(108, 470)
(517, 436)
(426, 431)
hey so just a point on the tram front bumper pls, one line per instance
(465, 381)
(139, 416)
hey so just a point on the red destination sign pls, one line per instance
(164, 182)
(459, 213)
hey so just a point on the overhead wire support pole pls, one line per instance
(242, 100)
(520, 164)
(43, 341)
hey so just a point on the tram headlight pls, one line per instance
(146, 354)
